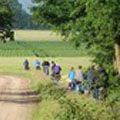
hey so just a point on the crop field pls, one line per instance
(41, 49)
(40, 44)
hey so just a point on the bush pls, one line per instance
(49, 91)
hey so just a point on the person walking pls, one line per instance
(71, 77)
(26, 65)
(36, 64)
(46, 66)
(79, 74)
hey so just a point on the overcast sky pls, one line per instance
(25, 4)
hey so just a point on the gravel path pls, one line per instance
(16, 100)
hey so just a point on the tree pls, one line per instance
(55, 13)
(5, 14)
(101, 25)
(22, 19)
(6, 21)
(95, 23)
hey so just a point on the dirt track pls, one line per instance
(16, 100)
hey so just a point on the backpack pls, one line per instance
(56, 69)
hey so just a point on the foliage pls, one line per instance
(75, 107)
(5, 14)
(72, 110)
(49, 91)
(95, 23)
(53, 12)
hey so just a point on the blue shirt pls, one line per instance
(37, 63)
(72, 75)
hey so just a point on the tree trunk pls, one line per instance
(117, 55)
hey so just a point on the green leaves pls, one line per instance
(5, 14)
(94, 23)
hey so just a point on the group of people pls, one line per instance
(94, 81)
(36, 64)
(47, 67)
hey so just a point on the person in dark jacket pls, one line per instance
(26, 65)
(46, 66)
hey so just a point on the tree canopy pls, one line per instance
(95, 23)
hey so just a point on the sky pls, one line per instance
(26, 4)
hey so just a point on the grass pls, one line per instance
(41, 49)
(36, 35)
(14, 65)
(46, 110)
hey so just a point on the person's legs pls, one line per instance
(26, 67)
(96, 93)
(47, 70)
(71, 85)
(102, 93)
(81, 88)
(37, 67)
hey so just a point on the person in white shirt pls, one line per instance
(79, 74)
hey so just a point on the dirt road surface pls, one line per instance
(16, 100)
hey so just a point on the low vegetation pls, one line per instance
(41, 49)
(65, 105)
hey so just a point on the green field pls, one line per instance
(40, 44)
(41, 49)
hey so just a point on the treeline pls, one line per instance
(21, 19)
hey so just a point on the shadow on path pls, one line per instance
(26, 97)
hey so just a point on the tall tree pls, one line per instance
(93, 22)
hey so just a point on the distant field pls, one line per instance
(41, 49)
(36, 35)
(40, 44)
